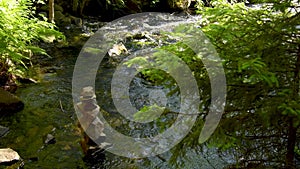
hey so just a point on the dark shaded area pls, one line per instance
(113, 11)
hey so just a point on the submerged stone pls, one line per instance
(3, 130)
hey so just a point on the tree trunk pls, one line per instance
(292, 131)
(291, 146)
(51, 11)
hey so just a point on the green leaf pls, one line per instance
(148, 113)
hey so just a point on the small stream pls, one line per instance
(49, 110)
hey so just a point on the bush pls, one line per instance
(19, 30)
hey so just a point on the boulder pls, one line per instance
(8, 155)
(9, 103)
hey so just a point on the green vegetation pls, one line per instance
(148, 113)
(260, 49)
(19, 32)
(261, 52)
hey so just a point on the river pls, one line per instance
(49, 110)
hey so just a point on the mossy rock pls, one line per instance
(9, 103)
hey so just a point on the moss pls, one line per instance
(8, 98)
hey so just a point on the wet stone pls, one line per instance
(50, 139)
(8, 155)
(3, 131)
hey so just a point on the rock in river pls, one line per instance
(8, 155)
(9, 103)
(50, 139)
(3, 130)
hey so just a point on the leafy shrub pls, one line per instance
(19, 30)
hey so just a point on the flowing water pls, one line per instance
(49, 110)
